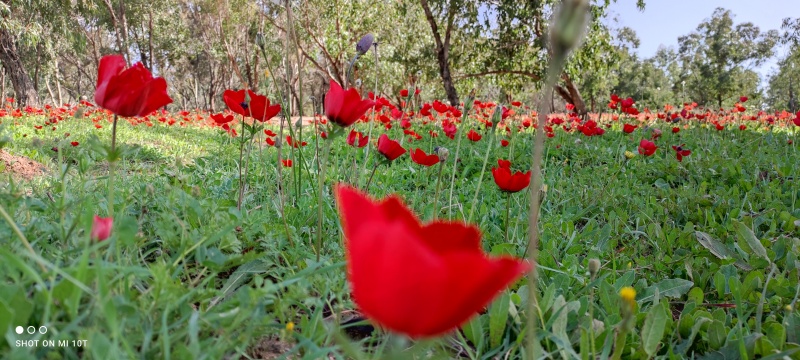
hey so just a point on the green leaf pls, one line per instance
(716, 334)
(667, 288)
(653, 330)
(498, 318)
(748, 241)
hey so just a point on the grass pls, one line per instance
(710, 244)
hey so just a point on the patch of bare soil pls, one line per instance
(20, 167)
(269, 348)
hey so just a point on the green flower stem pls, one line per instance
(22, 237)
(112, 169)
(320, 184)
(374, 170)
(438, 188)
(508, 207)
(483, 170)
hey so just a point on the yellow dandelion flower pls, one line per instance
(628, 294)
(290, 326)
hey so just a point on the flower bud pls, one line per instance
(260, 41)
(594, 266)
(629, 155)
(571, 20)
(364, 44)
(441, 152)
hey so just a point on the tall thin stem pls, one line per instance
(112, 168)
(374, 170)
(241, 179)
(320, 185)
(508, 207)
(438, 188)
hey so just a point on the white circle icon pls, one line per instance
(42, 330)
(20, 330)
(31, 329)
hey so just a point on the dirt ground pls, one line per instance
(20, 167)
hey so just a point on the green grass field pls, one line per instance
(711, 244)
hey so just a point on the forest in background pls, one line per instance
(49, 52)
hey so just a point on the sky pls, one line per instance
(663, 21)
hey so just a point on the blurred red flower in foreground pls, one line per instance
(420, 157)
(647, 148)
(128, 92)
(421, 280)
(101, 228)
(389, 148)
(345, 107)
(259, 107)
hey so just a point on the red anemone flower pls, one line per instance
(504, 143)
(418, 279)
(344, 108)
(647, 148)
(473, 135)
(128, 92)
(101, 228)
(74, 143)
(389, 148)
(286, 162)
(504, 163)
(294, 143)
(259, 107)
(270, 141)
(628, 128)
(269, 132)
(676, 130)
(743, 99)
(220, 119)
(680, 152)
(357, 139)
(508, 182)
(420, 157)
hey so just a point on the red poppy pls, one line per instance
(628, 128)
(516, 103)
(270, 141)
(473, 135)
(743, 99)
(680, 152)
(675, 130)
(647, 148)
(389, 148)
(504, 143)
(323, 135)
(294, 143)
(259, 107)
(269, 132)
(418, 279)
(74, 143)
(357, 139)
(128, 92)
(344, 108)
(404, 93)
(504, 163)
(719, 126)
(508, 182)
(220, 119)
(286, 162)
(229, 129)
(101, 228)
(742, 127)
(627, 103)
(420, 157)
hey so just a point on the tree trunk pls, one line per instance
(443, 50)
(23, 86)
(571, 95)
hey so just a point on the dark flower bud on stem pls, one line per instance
(364, 44)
